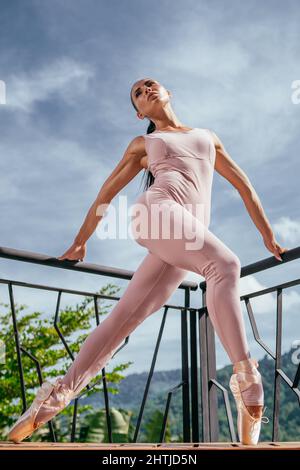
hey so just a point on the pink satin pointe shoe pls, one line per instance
(245, 374)
(26, 425)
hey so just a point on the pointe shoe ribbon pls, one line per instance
(246, 365)
(253, 431)
(25, 425)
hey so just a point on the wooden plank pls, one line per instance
(144, 446)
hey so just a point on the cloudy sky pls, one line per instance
(68, 67)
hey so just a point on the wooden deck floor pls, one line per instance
(144, 446)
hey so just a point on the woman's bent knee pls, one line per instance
(234, 266)
(230, 268)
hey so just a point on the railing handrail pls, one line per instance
(207, 355)
(266, 263)
(37, 258)
(92, 268)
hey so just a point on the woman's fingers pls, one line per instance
(70, 257)
(61, 258)
(275, 248)
(279, 250)
(74, 253)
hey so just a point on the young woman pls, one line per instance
(180, 163)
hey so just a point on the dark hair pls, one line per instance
(151, 127)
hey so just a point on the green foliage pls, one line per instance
(39, 338)
(95, 427)
(153, 428)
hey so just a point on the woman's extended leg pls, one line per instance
(159, 275)
(221, 268)
(148, 290)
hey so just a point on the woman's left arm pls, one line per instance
(229, 169)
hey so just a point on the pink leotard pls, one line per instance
(182, 164)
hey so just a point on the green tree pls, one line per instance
(153, 428)
(39, 339)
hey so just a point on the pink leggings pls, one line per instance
(158, 276)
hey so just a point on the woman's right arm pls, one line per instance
(128, 167)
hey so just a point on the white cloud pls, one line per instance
(267, 303)
(261, 304)
(230, 86)
(291, 300)
(64, 76)
(231, 82)
(288, 230)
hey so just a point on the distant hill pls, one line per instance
(132, 387)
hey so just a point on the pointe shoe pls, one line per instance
(25, 425)
(244, 376)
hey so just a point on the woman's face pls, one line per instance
(148, 95)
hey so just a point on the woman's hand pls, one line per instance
(75, 252)
(274, 247)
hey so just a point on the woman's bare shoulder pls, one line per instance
(216, 140)
(137, 145)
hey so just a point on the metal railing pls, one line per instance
(197, 319)
(187, 286)
(208, 355)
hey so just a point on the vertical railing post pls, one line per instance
(212, 374)
(209, 399)
(203, 374)
(18, 347)
(185, 370)
(277, 378)
(194, 376)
